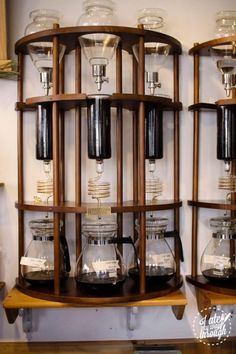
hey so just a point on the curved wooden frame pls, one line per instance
(198, 50)
(62, 101)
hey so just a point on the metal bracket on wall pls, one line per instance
(132, 317)
(26, 315)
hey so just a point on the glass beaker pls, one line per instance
(218, 258)
(100, 264)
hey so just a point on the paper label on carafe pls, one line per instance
(109, 267)
(33, 262)
(219, 262)
(163, 260)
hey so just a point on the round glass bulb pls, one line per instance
(41, 53)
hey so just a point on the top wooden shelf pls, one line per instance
(69, 37)
(204, 48)
(226, 102)
(127, 101)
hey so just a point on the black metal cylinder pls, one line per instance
(153, 133)
(44, 133)
(226, 133)
(99, 127)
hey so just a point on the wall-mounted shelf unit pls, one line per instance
(206, 291)
(69, 292)
(17, 300)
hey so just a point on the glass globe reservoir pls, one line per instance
(98, 48)
(155, 52)
(41, 53)
(225, 55)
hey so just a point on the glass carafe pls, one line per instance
(100, 264)
(37, 265)
(160, 262)
(218, 258)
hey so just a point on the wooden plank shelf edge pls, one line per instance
(203, 106)
(16, 300)
(213, 204)
(125, 207)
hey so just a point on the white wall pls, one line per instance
(189, 21)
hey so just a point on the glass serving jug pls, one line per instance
(160, 262)
(37, 265)
(100, 264)
(218, 258)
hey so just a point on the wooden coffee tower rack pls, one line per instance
(208, 294)
(68, 291)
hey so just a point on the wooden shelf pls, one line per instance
(204, 48)
(213, 204)
(125, 207)
(208, 299)
(203, 106)
(226, 102)
(126, 101)
(16, 300)
(2, 284)
(201, 282)
(69, 37)
(72, 292)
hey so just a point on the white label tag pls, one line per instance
(33, 262)
(219, 262)
(106, 266)
(163, 260)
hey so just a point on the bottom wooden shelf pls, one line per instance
(16, 300)
(73, 293)
(209, 295)
(201, 282)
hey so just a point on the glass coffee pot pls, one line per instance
(218, 258)
(100, 264)
(160, 262)
(37, 265)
